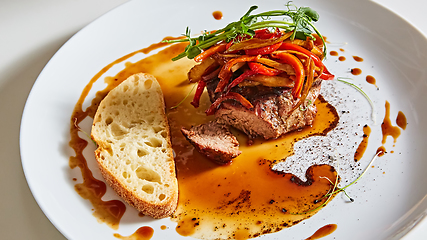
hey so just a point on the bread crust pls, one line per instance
(162, 159)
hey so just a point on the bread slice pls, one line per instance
(134, 150)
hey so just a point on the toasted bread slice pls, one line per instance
(134, 150)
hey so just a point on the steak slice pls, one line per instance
(214, 140)
(273, 114)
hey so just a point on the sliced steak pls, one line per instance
(273, 114)
(214, 140)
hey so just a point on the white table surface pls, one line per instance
(31, 31)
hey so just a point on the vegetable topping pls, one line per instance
(258, 50)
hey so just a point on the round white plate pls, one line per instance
(390, 199)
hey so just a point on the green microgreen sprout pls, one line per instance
(341, 79)
(299, 20)
(309, 102)
(188, 94)
(335, 189)
(85, 133)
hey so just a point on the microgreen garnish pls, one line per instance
(188, 94)
(85, 133)
(309, 102)
(341, 79)
(336, 189)
(298, 20)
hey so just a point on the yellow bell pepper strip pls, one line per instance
(196, 99)
(231, 95)
(325, 75)
(210, 51)
(225, 73)
(298, 68)
(264, 70)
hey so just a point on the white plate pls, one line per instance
(387, 204)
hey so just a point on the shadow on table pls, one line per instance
(17, 201)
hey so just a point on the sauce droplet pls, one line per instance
(364, 144)
(333, 53)
(371, 80)
(356, 71)
(387, 128)
(381, 151)
(323, 231)
(342, 49)
(358, 59)
(341, 58)
(401, 120)
(142, 233)
(163, 227)
(217, 15)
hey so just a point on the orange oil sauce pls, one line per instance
(217, 15)
(356, 71)
(242, 200)
(142, 233)
(363, 144)
(323, 231)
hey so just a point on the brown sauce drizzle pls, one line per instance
(358, 59)
(243, 200)
(356, 71)
(333, 53)
(387, 128)
(342, 49)
(363, 144)
(341, 58)
(323, 231)
(217, 15)
(371, 80)
(142, 233)
(401, 120)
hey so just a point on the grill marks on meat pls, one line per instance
(214, 140)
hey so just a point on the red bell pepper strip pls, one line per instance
(231, 95)
(326, 75)
(225, 73)
(200, 87)
(210, 51)
(316, 59)
(266, 34)
(240, 79)
(298, 68)
(263, 50)
(261, 69)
